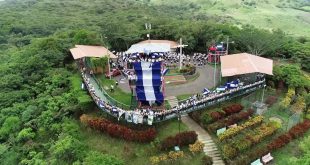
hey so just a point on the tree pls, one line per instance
(84, 37)
(25, 134)
(10, 125)
(259, 42)
(34, 158)
(67, 148)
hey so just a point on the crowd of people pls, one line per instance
(147, 115)
(170, 58)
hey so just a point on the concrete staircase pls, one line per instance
(210, 148)
(172, 100)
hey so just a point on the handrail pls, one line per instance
(201, 104)
(111, 99)
(107, 96)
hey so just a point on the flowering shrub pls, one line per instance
(119, 131)
(271, 100)
(230, 120)
(235, 108)
(295, 132)
(172, 155)
(180, 139)
(234, 130)
(242, 144)
(261, 132)
(196, 147)
(299, 105)
(288, 98)
(216, 115)
(229, 151)
(154, 160)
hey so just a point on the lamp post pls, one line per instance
(227, 44)
(180, 58)
(148, 27)
(263, 93)
(179, 118)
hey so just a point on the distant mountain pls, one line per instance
(292, 16)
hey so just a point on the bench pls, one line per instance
(267, 158)
(231, 126)
(257, 162)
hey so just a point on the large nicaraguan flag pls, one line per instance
(148, 82)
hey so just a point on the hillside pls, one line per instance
(41, 100)
(291, 16)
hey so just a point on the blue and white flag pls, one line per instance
(148, 81)
(165, 71)
(205, 91)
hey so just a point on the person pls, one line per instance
(116, 83)
(212, 49)
(112, 88)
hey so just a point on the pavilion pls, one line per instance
(81, 51)
(244, 63)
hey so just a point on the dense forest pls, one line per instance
(39, 82)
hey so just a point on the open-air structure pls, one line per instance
(231, 65)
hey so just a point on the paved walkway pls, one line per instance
(210, 148)
(172, 100)
(205, 80)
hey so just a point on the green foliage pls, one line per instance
(292, 75)
(206, 118)
(305, 158)
(25, 134)
(259, 42)
(229, 151)
(40, 90)
(99, 158)
(10, 125)
(34, 158)
(99, 62)
(84, 37)
(288, 98)
(67, 148)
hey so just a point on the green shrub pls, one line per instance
(242, 144)
(229, 151)
(206, 118)
(275, 124)
(207, 160)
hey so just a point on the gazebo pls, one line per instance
(244, 63)
(82, 51)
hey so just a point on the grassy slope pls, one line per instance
(270, 15)
(136, 153)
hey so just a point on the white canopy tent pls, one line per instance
(149, 47)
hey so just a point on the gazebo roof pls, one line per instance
(244, 63)
(81, 51)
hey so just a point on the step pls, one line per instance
(210, 150)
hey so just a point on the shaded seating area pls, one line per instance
(244, 63)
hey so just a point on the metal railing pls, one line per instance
(191, 108)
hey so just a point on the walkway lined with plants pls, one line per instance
(210, 148)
